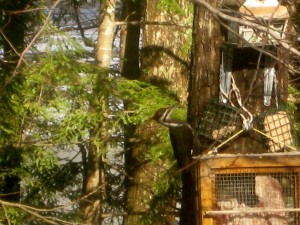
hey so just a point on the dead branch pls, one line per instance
(22, 55)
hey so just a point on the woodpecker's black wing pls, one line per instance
(182, 142)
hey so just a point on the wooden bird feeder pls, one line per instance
(276, 17)
(254, 189)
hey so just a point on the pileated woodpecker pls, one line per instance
(183, 140)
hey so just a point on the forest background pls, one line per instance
(80, 81)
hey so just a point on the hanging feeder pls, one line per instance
(277, 127)
(218, 121)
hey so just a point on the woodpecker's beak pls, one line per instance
(157, 114)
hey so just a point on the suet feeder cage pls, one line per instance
(254, 189)
(218, 121)
(277, 126)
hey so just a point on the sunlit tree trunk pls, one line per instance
(95, 179)
(204, 78)
(204, 75)
(164, 56)
(106, 31)
(166, 45)
(165, 60)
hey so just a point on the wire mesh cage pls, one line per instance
(218, 121)
(255, 191)
(277, 126)
(260, 189)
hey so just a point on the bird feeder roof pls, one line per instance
(264, 9)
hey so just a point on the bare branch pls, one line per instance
(22, 11)
(6, 216)
(22, 55)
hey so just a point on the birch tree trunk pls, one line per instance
(106, 31)
(95, 184)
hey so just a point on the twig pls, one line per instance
(6, 216)
(38, 216)
(22, 11)
(22, 55)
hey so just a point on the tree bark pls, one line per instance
(92, 196)
(165, 64)
(94, 187)
(130, 39)
(165, 58)
(204, 78)
(106, 31)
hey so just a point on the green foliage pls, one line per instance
(58, 95)
(171, 5)
(14, 215)
(55, 106)
(143, 100)
(162, 149)
(293, 111)
(165, 196)
(63, 101)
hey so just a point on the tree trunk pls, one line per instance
(166, 65)
(130, 47)
(92, 195)
(204, 78)
(140, 172)
(106, 31)
(165, 52)
(165, 60)
(204, 75)
(94, 186)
